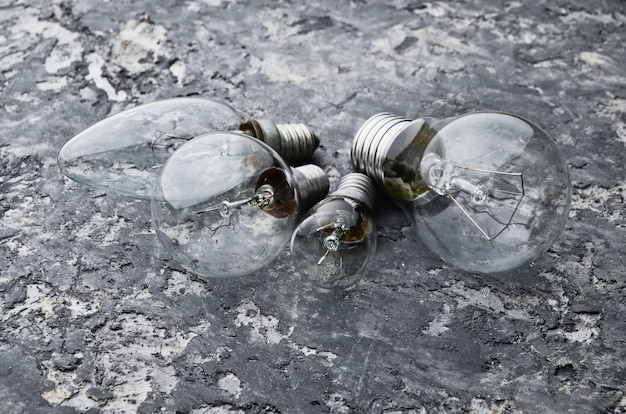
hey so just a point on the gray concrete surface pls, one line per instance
(96, 318)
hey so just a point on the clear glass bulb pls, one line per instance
(225, 204)
(486, 191)
(336, 241)
(122, 154)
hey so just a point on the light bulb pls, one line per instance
(122, 154)
(336, 241)
(225, 204)
(486, 191)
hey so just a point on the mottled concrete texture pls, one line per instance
(96, 318)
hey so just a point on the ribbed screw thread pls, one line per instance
(298, 142)
(295, 143)
(372, 142)
(358, 187)
(312, 183)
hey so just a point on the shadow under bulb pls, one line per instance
(486, 191)
(336, 241)
(225, 204)
(122, 154)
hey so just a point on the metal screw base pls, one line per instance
(372, 142)
(295, 143)
(312, 183)
(358, 187)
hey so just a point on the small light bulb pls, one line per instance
(122, 154)
(225, 204)
(336, 241)
(486, 191)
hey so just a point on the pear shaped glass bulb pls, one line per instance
(486, 191)
(225, 204)
(336, 241)
(122, 154)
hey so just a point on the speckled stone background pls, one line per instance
(96, 318)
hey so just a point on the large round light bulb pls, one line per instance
(122, 153)
(225, 204)
(486, 191)
(336, 241)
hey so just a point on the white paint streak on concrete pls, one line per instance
(53, 84)
(231, 384)
(486, 299)
(196, 358)
(57, 395)
(439, 325)
(138, 44)
(264, 328)
(180, 284)
(213, 3)
(575, 17)
(29, 28)
(179, 70)
(595, 59)
(105, 229)
(96, 62)
(308, 351)
(480, 406)
(222, 409)
(586, 329)
(9, 60)
(82, 308)
(67, 390)
(67, 49)
(38, 301)
(336, 403)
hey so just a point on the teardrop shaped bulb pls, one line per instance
(122, 154)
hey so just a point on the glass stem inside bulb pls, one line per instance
(445, 178)
(332, 241)
(262, 198)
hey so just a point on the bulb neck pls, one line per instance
(372, 142)
(358, 187)
(295, 143)
(311, 183)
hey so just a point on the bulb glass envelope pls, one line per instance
(487, 191)
(122, 153)
(224, 205)
(334, 243)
